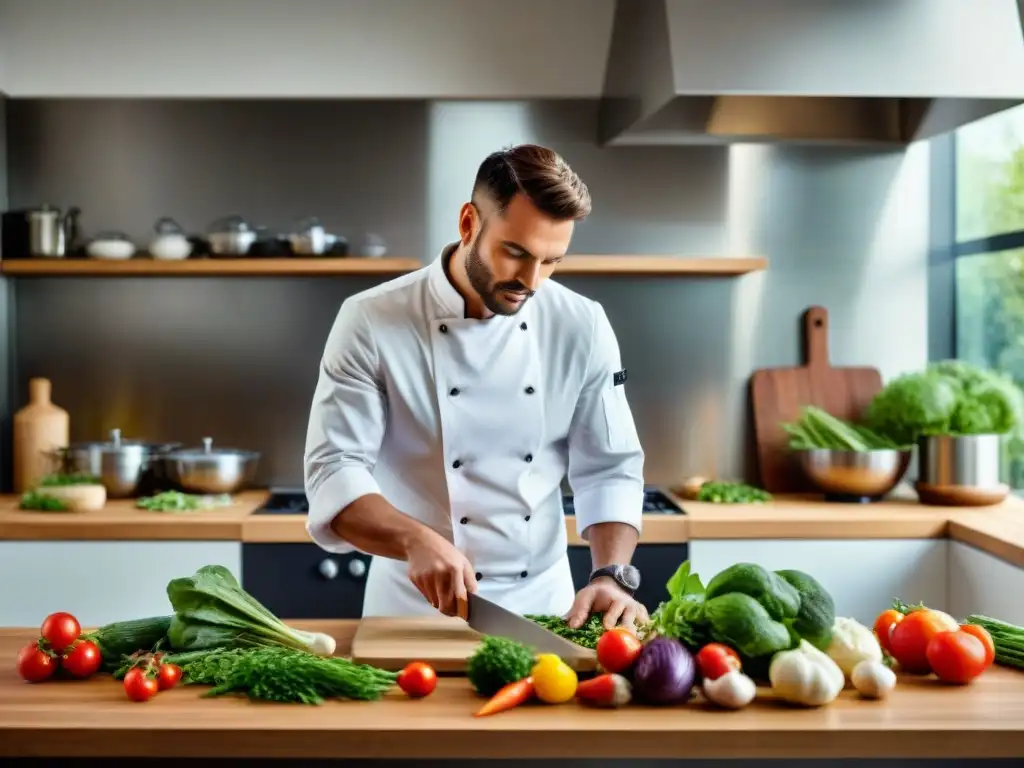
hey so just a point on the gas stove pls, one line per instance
(292, 502)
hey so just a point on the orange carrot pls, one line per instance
(512, 695)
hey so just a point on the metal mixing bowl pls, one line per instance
(122, 466)
(209, 469)
(854, 475)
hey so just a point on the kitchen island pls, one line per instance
(93, 718)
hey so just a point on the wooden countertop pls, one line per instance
(93, 718)
(998, 529)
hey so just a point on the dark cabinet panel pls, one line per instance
(301, 581)
(657, 563)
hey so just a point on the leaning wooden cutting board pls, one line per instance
(444, 643)
(779, 394)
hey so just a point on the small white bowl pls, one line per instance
(111, 249)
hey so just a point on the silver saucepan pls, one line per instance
(209, 469)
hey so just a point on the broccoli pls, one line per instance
(497, 662)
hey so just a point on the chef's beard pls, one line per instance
(482, 280)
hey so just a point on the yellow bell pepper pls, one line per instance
(554, 681)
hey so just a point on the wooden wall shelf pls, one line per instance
(573, 265)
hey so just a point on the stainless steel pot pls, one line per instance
(121, 465)
(854, 475)
(961, 471)
(210, 470)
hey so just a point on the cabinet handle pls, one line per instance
(357, 568)
(328, 568)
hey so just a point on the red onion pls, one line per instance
(664, 673)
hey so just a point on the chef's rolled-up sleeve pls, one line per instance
(606, 460)
(346, 426)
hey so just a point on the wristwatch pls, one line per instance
(626, 576)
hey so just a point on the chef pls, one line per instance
(452, 402)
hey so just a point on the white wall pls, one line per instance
(310, 48)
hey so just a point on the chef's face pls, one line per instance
(511, 253)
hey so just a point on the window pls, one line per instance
(988, 200)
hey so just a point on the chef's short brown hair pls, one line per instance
(537, 172)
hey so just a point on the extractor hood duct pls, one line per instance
(884, 72)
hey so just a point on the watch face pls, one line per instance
(630, 576)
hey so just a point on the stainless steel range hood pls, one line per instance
(884, 72)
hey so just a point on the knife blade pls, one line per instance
(489, 618)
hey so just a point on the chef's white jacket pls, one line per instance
(469, 426)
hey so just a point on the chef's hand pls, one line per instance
(440, 572)
(604, 595)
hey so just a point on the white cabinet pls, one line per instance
(982, 583)
(863, 576)
(100, 581)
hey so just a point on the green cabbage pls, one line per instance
(951, 397)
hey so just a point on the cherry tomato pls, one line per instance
(35, 664)
(986, 640)
(140, 686)
(168, 675)
(956, 656)
(715, 659)
(82, 659)
(909, 640)
(617, 650)
(417, 680)
(884, 625)
(60, 630)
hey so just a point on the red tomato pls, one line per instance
(168, 675)
(82, 659)
(60, 630)
(909, 640)
(957, 657)
(35, 664)
(884, 625)
(617, 650)
(417, 680)
(139, 686)
(986, 640)
(715, 659)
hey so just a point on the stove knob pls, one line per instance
(328, 568)
(357, 568)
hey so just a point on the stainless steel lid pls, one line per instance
(115, 445)
(208, 451)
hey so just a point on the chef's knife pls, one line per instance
(489, 618)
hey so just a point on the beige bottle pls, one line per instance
(39, 428)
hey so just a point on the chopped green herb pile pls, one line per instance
(41, 502)
(176, 501)
(285, 675)
(722, 492)
(586, 636)
(74, 478)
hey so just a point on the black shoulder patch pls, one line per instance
(619, 377)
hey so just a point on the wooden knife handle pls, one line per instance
(462, 608)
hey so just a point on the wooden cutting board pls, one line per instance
(779, 394)
(444, 643)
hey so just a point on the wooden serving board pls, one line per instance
(442, 642)
(779, 394)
